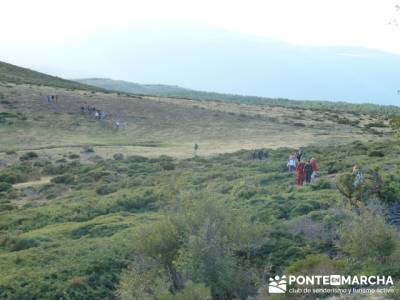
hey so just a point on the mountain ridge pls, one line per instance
(175, 91)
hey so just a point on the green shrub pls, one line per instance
(64, 179)
(136, 158)
(29, 155)
(88, 149)
(6, 206)
(12, 176)
(367, 239)
(302, 208)
(390, 191)
(106, 189)
(194, 291)
(167, 165)
(376, 153)
(74, 156)
(17, 243)
(315, 265)
(5, 186)
(118, 156)
(140, 202)
(321, 184)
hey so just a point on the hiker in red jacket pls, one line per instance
(314, 166)
(300, 173)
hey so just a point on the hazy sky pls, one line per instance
(310, 22)
(215, 45)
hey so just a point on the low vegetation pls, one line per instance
(159, 228)
(12, 74)
(178, 92)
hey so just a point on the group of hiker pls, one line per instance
(93, 111)
(306, 170)
(260, 154)
(52, 98)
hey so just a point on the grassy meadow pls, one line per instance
(72, 238)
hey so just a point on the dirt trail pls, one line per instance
(42, 181)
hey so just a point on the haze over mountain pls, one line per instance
(204, 58)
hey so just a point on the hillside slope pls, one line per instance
(180, 92)
(164, 125)
(18, 75)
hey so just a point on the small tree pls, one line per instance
(367, 240)
(345, 185)
(202, 246)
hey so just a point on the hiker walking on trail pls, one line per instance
(195, 148)
(308, 170)
(260, 155)
(358, 176)
(300, 173)
(314, 166)
(254, 155)
(291, 163)
(48, 99)
(299, 154)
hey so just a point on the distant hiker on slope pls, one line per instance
(48, 99)
(308, 170)
(291, 164)
(300, 173)
(195, 148)
(314, 166)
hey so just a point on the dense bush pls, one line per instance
(64, 179)
(28, 156)
(368, 241)
(321, 184)
(5, 186)
(106, 189)
(118, 156)
(74, 156)
(17, 243)
(11, 152)
(88, 149)
(376, 153)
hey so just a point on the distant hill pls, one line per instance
(18, 75)
(137, 88)
(174, 91)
